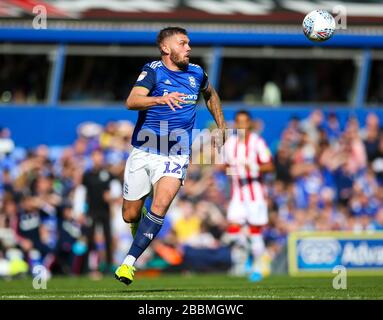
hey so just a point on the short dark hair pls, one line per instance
(244, 112)
(168, 32)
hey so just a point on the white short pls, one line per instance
(144, 169)
(251, 212)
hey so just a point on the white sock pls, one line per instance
(257, 248)
(129, 260)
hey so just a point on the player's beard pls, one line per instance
(178, 61)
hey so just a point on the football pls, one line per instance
(318, 25)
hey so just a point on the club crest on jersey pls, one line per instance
(192, 82)
(142, 76)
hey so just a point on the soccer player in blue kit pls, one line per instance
(165, 95)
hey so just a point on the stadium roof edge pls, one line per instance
(244, 38)
(191, 26)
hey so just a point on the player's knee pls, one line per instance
(129, 214)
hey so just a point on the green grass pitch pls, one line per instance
(196, 286)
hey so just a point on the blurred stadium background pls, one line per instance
(318, 106)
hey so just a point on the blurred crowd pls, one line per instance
(328, 176)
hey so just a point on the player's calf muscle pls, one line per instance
(160, 207)
(164, 192)
(161, 202)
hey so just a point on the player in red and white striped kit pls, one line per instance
(247, 156)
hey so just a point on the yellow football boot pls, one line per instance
(125, 274)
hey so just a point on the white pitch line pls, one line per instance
(128, 296)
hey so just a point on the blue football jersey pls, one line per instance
(159, 129)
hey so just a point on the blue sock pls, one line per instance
(147, 230)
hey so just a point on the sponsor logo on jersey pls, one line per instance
(188, 99)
